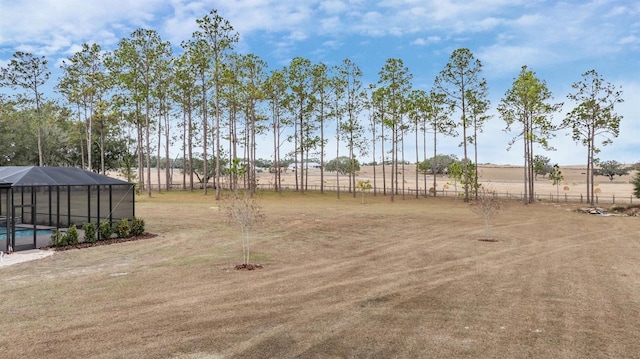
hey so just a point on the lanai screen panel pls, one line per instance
(5, 214)
(61, 196)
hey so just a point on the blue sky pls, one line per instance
(557, 40)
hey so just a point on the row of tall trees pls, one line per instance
(528, 105)
(214, 103)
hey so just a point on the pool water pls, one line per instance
(25, 232)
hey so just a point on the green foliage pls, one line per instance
(594, 116)
(106, 230)
(89, 232)
(556, 176)
(263, 163)
(137, 226)
(541, 165)
(58, 239)
(466, 91)
(343, 165)
(527, 103)
(72, 235)
(611, 169)
(440, 164)
(455, 171)
(363, 185)
(123, 229)
(636, 184)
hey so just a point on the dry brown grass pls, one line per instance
(407, 279)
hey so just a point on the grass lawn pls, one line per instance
(408, 279)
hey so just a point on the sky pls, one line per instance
(558, 40)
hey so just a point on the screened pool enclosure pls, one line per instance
(57, 197)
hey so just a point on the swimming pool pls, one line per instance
(25, 232)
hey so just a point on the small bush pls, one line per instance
(137, 226)
(105, 230)
(72, 235)
(123, 230)
(58, 239)
(89, 232)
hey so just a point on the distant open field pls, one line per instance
(500, 178)
(341, 279)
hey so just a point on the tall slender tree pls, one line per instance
(275, 91)
(440, 122)
(339, 93)
(396, 78)
(253, 77)
(29, 73)
(478, 107)
(84, 84)
(185, 92)
(379, 100)
(138, 62)
(199, 54)
(301, 106)
(460, 80)
(321, 83)
(372, 108)
(527, 105)
(353, 130)
(220, 39)
(417, 110)
(594, 116)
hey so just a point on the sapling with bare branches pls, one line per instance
(487, 205)
(244, 211)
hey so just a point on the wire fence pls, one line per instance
(546, 197)
(549, 197)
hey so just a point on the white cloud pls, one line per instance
(334, 6)
(331, 24)
(297, 36)
(50, 26)
(501, 59)
(419, 42)
(423, 42)
(627, 40)
(333, 44)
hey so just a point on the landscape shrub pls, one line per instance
(58, 239)
(89, 232)
(105, 230)
(123, 230)
(137, 226)
(72, 235)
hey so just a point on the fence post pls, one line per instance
(580, 197)
(614, 198)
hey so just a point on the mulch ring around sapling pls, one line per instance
(487, 240)
(249, 266)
